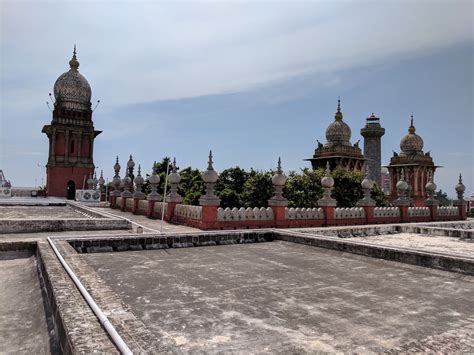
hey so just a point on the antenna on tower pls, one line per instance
(51, 98)
(97, 104)
(47, 104)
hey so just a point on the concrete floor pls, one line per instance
(38, 212)
(281, 297)
(439, 244)
(23, 318)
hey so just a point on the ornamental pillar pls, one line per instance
(278, 203)
(327, 203)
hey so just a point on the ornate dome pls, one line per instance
(72, 90)
(338, 132)
(412, 143)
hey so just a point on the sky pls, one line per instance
(253, 81)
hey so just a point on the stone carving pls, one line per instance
(430, 188)
(127, 184)
(210, 177)
(353, 212)
(130, 166)
(116, 182)
(174, 179)
(188, 211)
(158, 208)
(418, 211)
(138, 194)
(95, 181)
(278, 181)
(327, 182)
(448, 211)
(154, 181)
(386, 212)
(460, 188)
(304, 213)
(245, 214)
(101, 180)
(402, 191)
(367, 186)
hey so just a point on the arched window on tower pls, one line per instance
(71, 151)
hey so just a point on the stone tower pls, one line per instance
(71, 134)
(372, 133)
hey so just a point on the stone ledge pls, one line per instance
(404, 255)
(77, 326)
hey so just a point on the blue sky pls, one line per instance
(250, 80)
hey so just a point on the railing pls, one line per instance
(129, 203)
(188, 211)
(448, 211)
(418, 211)
(245, 214)
(143, 205)
(118, 201)
(158, 208)
(353, 212)
(386, 212)
(304, 213)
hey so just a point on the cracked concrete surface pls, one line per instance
(24, 321)
(281, 297)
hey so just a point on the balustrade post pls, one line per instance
(209, 201)
(367, 202)
(460, 202)
(173, 198)
(327, 203)
(278, 203)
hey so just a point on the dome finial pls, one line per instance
(73, 63)
(338, 116)
(411, 129)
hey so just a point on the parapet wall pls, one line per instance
(217, 218)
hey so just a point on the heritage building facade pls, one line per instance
(71, 134)
(418, 167)
(338, 151)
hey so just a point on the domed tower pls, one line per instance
(71, 134)
(338, 150)
(416, 165)
(372, 133)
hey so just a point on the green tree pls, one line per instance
(443, 198)
(230, 185)
(303, 189)
(258, 189)
(191, 186)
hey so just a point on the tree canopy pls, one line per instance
(237, 187)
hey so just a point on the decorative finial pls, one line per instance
(209, 164)
(338, 115)
(412, 128)
(116, 159)
(73, 63)
(328, 169)
(139, 169)
(173, 167)
(460, 178)
(154, 167)
(279, 170)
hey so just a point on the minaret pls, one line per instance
(372, 133)
(71, 134)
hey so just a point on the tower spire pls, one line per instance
(74, 63)
(338, 115)
(411, 129)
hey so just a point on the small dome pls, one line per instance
(412, 143)
(72, 90)
(338, 131)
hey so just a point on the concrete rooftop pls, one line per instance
(281, 297)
